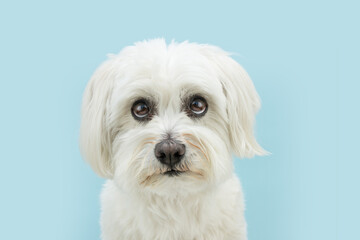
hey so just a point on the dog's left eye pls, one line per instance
(140, 110)
(198, 106)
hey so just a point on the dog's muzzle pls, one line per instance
(169, 152)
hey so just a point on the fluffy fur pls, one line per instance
(138, 200)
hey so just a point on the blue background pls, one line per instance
(303, 57)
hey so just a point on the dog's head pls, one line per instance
(166, 118)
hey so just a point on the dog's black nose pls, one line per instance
(169, 152)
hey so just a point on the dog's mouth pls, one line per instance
(173, 173)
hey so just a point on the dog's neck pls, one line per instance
(163, 208)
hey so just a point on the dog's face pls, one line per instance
(166, 119)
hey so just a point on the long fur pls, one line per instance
(138, 200)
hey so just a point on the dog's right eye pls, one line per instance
(140, 110)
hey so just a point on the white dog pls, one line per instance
(160, 122)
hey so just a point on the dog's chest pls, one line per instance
(197, 218)
(173, 220)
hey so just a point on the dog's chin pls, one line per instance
(173, 173)
(182, 173)
(173, 182)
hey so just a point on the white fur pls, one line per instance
(138, 201)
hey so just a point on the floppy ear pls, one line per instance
(95, 142)
(242, 103)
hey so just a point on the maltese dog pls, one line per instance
(161, 122)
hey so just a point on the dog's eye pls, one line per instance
(198, 106)
(140, 110)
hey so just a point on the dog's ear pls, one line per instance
(95, 142)
(242, 103)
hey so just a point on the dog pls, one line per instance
(161, 122)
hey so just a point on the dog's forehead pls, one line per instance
(175, 73)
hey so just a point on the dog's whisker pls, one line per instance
(187, 134)
(149, 138)
(151, 167)
(187, 165)
(193, 138)
(145, 180)
(198, 173)
(198, 148)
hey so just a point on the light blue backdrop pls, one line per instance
(303, 57)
